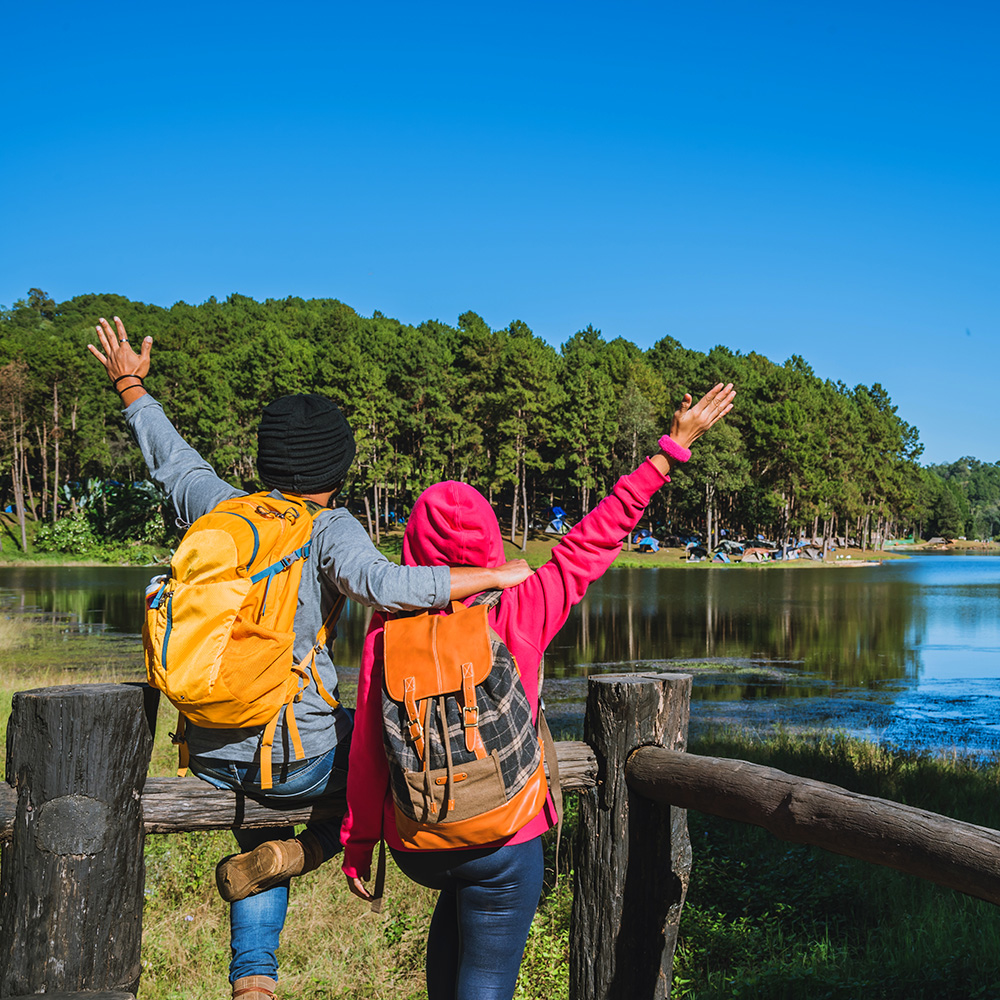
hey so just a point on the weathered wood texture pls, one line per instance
(8, 806)
(633, 855)
(71, 886)
(171, 805)
(949, 852)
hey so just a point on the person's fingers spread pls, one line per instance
(104, 338)
(97, 354)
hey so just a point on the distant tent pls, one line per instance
(649, 544)
(720, 557)
(695, 553)
(558, 525)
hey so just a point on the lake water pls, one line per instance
(907, 652)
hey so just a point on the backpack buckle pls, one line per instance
(416, 731)
(473, 711)
(177, 740)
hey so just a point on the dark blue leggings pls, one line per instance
(481, 921)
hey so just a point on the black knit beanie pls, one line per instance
(304, 445)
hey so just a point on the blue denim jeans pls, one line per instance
(256, 922)
(482, 917)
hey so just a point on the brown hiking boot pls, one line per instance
(254, 988)
(242, 875)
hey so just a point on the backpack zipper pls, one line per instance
(166, 631)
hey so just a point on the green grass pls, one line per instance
(764, 919)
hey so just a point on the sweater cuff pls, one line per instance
(141, 403)
(442, 586)
(357, 863)
(647, 479)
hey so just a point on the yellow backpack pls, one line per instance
(218, 632)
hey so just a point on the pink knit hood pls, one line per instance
(452, 524)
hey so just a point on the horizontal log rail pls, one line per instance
(173, 805)
(946, 851)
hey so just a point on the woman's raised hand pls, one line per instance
(118, 357)
(691, 421)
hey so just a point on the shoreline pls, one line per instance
(539, 550)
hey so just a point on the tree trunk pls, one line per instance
(55, 445)
(43, 448)
(709, 504)
(368, 517)
(513, 502)
(18, 486)
(524, 507)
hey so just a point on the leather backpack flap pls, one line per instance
(431, 650)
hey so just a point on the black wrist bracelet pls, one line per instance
(114, 382)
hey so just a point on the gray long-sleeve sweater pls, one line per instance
(342, 559)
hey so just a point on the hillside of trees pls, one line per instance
(529, 425)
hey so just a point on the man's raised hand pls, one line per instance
(118, 357)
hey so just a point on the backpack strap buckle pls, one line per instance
(470, 712)
(413, 714)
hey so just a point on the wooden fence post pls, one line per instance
(633, 856)
(71, 885)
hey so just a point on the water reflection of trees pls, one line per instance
(853, 628)
(98, 597)
(850, 627)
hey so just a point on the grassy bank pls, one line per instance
(764, 919)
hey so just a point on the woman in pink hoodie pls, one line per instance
(488, 894)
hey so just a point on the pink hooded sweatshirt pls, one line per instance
(452, 524)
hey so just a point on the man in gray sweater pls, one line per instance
(305, 449)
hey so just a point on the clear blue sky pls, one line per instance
(786, 178)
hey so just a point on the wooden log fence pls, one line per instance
(953, 854)
(76, 809)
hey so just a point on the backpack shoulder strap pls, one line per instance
(555, 784)
(322, 638)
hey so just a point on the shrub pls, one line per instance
(69, 534)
